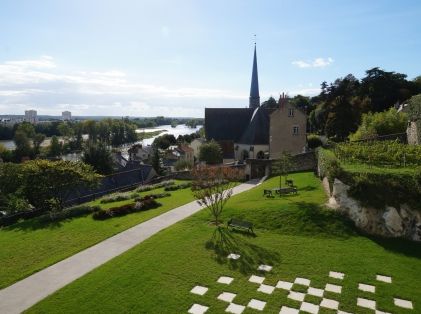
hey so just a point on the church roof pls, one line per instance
(226, 124)
(257, 131)
(254, 88)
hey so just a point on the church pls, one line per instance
(257, 132)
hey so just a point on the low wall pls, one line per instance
(304, 162)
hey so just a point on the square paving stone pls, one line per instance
(225, 280)
(198, 309)
(297, 296)
(266, 289)
(366, 288)
(256, 279)
(329, 304)
(336, 275)
(403, 303)
(288, 310)
(264, 268)
(381, 312)
(284, 285)
(368, 304)
(256, 304)
(226, 296)
(343, 312)
(302, 281)
(382, 278)
(199, 290)
(333, 288)
(235, 308)
(315, 292)
(309, 308)
(234, 256)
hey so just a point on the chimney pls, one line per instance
(282, 101)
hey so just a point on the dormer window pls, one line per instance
(290, 112)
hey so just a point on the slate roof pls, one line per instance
(226, 124)
(257, 132)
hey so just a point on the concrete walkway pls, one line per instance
(29, 291)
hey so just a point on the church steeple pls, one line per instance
(254, 100)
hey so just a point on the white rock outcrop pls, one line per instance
(390, 221)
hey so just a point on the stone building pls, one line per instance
(257, 132)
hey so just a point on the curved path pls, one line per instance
(27, 292)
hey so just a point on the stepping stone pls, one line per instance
(403, 303)
(256, 279)
(336, 275)
(256, 304)
(284, 285)
(309, 308)
(343, 312)
(235, 308)
(234, 256)
(198, 309)
(266, 289)
(288, 310)
(264, 268)
(381, 312)
(226, 296)
(333, 288)
(302, 281)
(369, 304)
(386, 279)
(366, 288)
(315, 292)
(225, 280)
(199, 290)
(297, 296)
(329, 304)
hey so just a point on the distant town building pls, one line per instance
(195, 145)
(31, 116)
(66, 116)
(257, 132)
(140, 153)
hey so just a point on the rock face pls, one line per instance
(391, 222)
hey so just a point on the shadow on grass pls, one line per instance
(225, 242)
(398, 245)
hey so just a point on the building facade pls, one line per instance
(31, 116)
(66, 116)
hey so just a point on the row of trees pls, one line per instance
(160, 120)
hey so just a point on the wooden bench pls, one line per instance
(267, 193)
(236, 223)
(288, 190)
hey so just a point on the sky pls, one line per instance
(174, 58)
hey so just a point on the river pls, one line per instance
(180, 129)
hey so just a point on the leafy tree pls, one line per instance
(156, 161)
(37, 141)
(66, 130)
(414, 108)
(23, 145)
(282, 166)
(213, 187)
(183, 164)
(55, 147)
(270, 103)
(211, 153)
(164, 141)
(380, 123)
(99, 157)
(47, 184)
(301, 102)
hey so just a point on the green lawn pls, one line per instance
(294, 234)
(360, 167)
(30, 246)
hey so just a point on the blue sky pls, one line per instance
(174, 58)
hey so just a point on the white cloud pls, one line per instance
(316, 63)
(41, 84)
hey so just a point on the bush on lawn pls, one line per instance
(328, 165)
(178, 187)
(72, 212)
(163, 184)
(155, 196)
(314, 141)
(116, 198)
(141, 205)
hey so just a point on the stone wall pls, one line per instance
(413, 133)
(402, 222)
(304, 162)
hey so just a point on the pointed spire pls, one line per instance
(254, 100)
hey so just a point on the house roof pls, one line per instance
(257, 131)
(226, 124)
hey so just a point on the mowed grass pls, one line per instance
(294, 234)
(365, 168)
(30, 246)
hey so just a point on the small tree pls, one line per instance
(213, 187)
(156, 161)
(99, 157)
(55, 147)
(211, 153)
(282, 166)
(47, 184)
(183, 164)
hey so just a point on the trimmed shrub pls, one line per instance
(178, 187)
(141, 205)
(72, 212)
(116, 198)
(314, 141)
(163, 184)
(328, 165)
